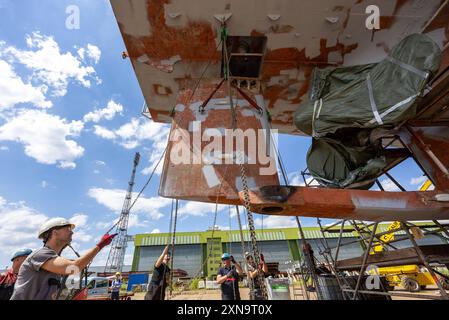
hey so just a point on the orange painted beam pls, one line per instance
(348, 204)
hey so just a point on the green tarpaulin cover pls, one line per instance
(362, 98)
(342, 164)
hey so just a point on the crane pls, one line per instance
(118, 248)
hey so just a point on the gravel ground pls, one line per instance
(216, 295)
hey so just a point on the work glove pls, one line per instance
(106, 240)
(230, 274)
(232, 259)
(262, 258)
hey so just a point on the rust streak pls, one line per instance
(194, 42)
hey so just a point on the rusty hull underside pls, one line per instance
(170, 42)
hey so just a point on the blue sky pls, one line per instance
(70, 124)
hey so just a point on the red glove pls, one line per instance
(106, 240)
(262, 258)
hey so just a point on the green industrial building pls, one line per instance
(278, 245)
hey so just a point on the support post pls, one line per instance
(424, 262)
(365, 258)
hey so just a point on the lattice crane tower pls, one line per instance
(118, 247)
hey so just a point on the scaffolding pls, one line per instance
(353, 275)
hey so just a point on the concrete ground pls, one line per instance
(244, 293)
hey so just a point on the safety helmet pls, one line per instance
(21, 253)
(248, 254)
(54, 223)
(225, 256)
(117, 273)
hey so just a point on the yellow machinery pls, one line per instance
(410, 277)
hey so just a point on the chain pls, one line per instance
(242, 239)
(252, 230)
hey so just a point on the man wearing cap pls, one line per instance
(228, 277)
(160, 277)
(254, 271)
(9, 278)
(115, 287)
(40, 276)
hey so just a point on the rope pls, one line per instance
(212, 235)
(305, 255)
(173, 247)
(168, 242)
(141, 191)
(242, 240)
(166, 148)
(230, 245)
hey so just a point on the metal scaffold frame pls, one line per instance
(368, 233)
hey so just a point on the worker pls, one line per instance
(253, 271)
(40, 276)
(160, 277)
(115, 286)
(228, 277)
(9, 278)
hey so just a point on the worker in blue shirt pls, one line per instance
(228, 277)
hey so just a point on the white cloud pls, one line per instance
(102, 257)
(93, 52)
(234, 211)
(275, 222)
(67, 165)
(295, 179)
(44, 184)
(104, 133)
(79, 220)
(104, 224)
(155, 231)
(200, 209)
(82, 53)
(219, 227)
(100, 163)
(107, 113)
(19, 226)
(45, 137)
(82, 229)
(134, 133)
(4, 148)
(389, 185)
(113, 200)
(52, 67)
(418, 181)
(134, 221)
(14, 91)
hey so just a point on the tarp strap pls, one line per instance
(320, 101)
(393, 108)
(319, 108)
(372, 101)
(422, 74)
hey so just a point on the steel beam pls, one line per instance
(348, 204)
